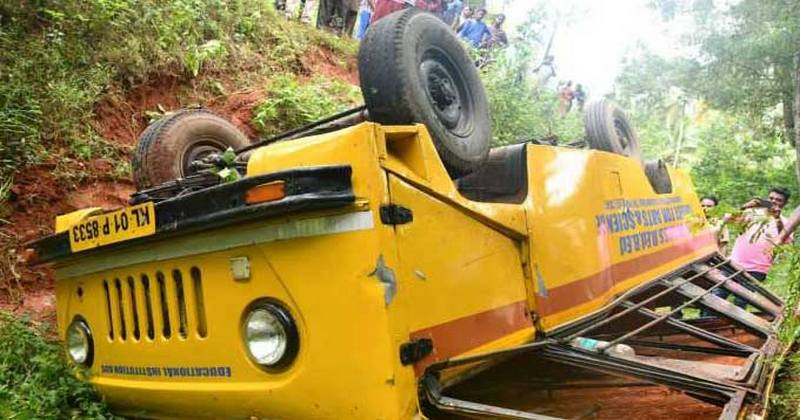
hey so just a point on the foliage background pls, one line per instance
(724, 108)
(34, 380)
(521, 109)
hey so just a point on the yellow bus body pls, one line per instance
(470, 276)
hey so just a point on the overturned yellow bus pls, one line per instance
(346, 274)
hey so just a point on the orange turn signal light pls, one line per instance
(263, 193)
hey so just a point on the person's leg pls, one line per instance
(349, 23)
(291, 9)
(308, 10)
(363, 23)
(340, 16)
(323, 13)
(718, 292)
(330, 12)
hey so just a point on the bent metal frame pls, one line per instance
(633, 319)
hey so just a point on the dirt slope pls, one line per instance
(40, 193)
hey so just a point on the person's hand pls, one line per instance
(755, 202)
(727, 217)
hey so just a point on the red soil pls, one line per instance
(38, 195)
(325, 63)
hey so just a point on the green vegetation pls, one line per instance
(35, 381)
(521, 109)
(724, 109)
(785, 401)
(59, 57)
(784, 279)
(292, 104)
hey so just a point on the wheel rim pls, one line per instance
(199, 151)
(446, 90)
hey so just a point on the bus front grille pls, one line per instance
(165, 305)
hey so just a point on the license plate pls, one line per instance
(117, 226)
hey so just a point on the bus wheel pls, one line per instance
(167, 148)
(413, 69)
(608, 129)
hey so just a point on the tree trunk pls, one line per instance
(679, 132)
(797, 115)
(784, 71)
(788, 117)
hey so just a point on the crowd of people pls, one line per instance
(353, 17)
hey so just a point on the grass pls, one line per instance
(35, 381)
(60, 57)
(292, 104)
(784, 279)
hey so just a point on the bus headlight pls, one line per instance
(270, 334)
(80, 346)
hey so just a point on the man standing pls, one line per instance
(475, 30)
(466, 15)
(752, 250)
(451, 11)
(565, 95)
(498, 36)
(580, 98)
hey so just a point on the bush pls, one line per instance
(784, 279)
(291, 104)
(35, 381)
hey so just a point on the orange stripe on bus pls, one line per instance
(460, 335)
(583, 290)
(463, 334)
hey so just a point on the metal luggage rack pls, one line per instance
(632, 320)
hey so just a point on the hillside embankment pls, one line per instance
(82, 81)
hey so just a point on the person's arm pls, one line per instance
(789, 228)
(463, 28)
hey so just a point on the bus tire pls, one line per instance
(608, 128)
(413, 69)
(166, 149)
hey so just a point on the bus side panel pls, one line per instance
(598, 229)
